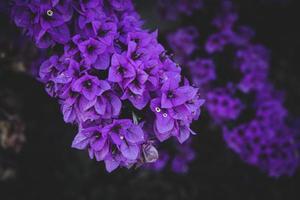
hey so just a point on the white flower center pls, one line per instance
(50, 13)
(157, 109)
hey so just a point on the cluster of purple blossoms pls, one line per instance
(223, 105)
(105, 71)
(253, 62)
(265, 140)
(45, 21)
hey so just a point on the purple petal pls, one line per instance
(104, 86)
(113, 74)
(184, 134)
(102, 62)
(116, 138)
(165, 102)
(100, 155)
(80, 141)
(116, 105)
(111, 164)
(60, 34)
(91, 93)
(164, 124)
(129, 151)
(134, 134)
(68, 113)
(85, 104)
(183, 94)
(98, 144)
(77, 85)
(101, 105)
(180, 112)
(162, 136)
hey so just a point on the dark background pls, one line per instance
(47, 168)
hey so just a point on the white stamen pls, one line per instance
(50, 13)
(165, 115)
(122, 137)
(157, 109)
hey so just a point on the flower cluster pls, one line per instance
(106, 70)
(45, 21)
(253, 63)
(245, 104)
(266, 140)
(223, 105)
(272, 150)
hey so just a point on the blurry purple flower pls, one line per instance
(173, 95)
(222, 105)
(202, 71)
(183, 41)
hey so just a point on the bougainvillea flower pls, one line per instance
(173, 95)
(90, 86)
